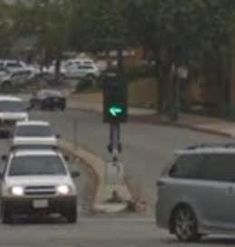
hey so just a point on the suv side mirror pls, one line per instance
(4, 157)
(66, 157)
(58, 135)
(75, 174)
(28, 107)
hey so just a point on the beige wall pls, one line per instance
(143, 93)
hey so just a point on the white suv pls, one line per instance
(38, 182)
(34, 133)
(12, 109)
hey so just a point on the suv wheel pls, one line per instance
(7, 216)
(71, 213)
(6, 85)
(185, 224)
(62, 108)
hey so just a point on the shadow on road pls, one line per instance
(37, 220)
(210, 241)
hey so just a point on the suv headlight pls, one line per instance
(63, 189)
(17, 191)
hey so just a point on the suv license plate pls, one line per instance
(40, 203)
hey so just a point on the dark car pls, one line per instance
(48, 100)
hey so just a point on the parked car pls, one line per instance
(38, 182)
(12, 65)
(48, 99)
(196, 194)
(12, 109)
(16, 78)
(34, 133)
(78, 70)
(3, 72)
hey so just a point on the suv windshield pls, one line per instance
(36, 165)
(33, 131)
(12, 106)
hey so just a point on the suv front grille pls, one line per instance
(7, 122)
(40, 190)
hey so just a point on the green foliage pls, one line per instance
(183, 31)
(83, 84)
(99, 25)
(178, 31)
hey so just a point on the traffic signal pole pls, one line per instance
(115, 112)
(115, 142)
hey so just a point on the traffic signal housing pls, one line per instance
(115, 99)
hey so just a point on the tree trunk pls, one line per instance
(57, 67)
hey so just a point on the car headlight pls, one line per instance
(63, 189)
(17, 191)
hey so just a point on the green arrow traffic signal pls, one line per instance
(115, 111)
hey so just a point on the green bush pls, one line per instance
(139, 72)
(83, 84)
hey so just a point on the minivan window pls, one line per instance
(186, 166)
(218, 167)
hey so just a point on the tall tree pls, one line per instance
(182, 33)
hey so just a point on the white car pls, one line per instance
(16, 77)
(83, 71)
(77, 68)
(12, 65)
(34, 133)
(81, 68)
(12, 109)
(38, 182)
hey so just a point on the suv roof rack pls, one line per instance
(212, 145)
(15, 148)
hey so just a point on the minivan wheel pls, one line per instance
(185, 224)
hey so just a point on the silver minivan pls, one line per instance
(196, 194)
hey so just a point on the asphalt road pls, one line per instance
(147, 149)
(99, 233)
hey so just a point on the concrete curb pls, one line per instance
(190, 127)
(102, 191)
(203, 130)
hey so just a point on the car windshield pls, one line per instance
(12, 106)
(37, 165)
(49, 93)
(13, 65)
(33, 131)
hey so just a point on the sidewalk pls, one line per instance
(194, 122)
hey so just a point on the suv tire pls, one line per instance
(185, 224)
(71, 213)
(6, 86)
(7, 215)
